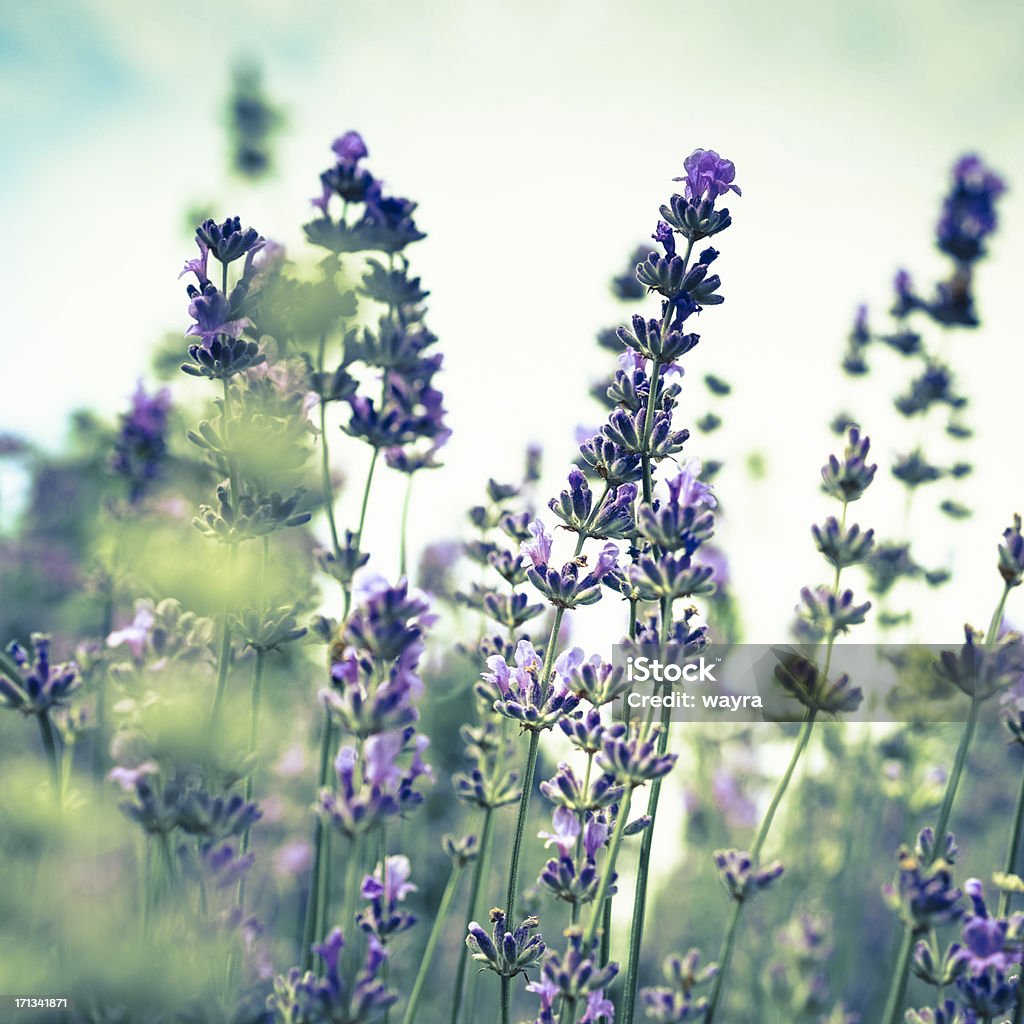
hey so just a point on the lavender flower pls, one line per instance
(228, 241)
(518, 692)
(924, 894)
(38, 686)
(140, 448)
(741, 877)
(578, 973)
(633, 760)
(676, 1002)
(565, 789)
(314, 999)
(848, 478)
(982, 670)
(377, 788)
(506, 953)
(991, 950)
(968, 212)
(385, 889)
(1011, 554)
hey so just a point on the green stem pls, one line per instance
(325, 454)
(609, 868)
(309, 935)
(52, 752)
(479, 873)
(894, 1004)
(636, 929)
(402, 543)
(366, 494)
(506, 1000)
(224, 658)
(645, 455)
(731, 929)
(898, 986)
(256, 695)
(440, 920)
(517, 841)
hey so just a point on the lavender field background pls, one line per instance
(164, 833)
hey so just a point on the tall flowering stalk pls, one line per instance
(967, 221)
(540, 689)
(984, 666)
(666, 578)
(405, 420)
(826, 612)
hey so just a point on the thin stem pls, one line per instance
(894, 1004)
(366, 494)
(255, 697)
(325, 453)
(52, 752)
(645, 455)
(731, 928)
(517, 841)
(402, 542)
(506, 1000)
(609, 868)
(479, 872)
(636, 928)
(898, 986)
(440, 920)
(309, 935)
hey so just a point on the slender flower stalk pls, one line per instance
(480, 869)
(440, 920)
(898, 985)
(403, 534)
(827, 613)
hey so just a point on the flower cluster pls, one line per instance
(406, 419)
(34, 685)
(308, 998)
(140, 448)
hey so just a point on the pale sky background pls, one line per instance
(540, 139)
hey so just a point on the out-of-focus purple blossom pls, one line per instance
(293, 859)
(924, 894)
(349, 148)
(318, 999)
(390, 621)
(136, 635)
(738, 809)
(359, 804)
(969, 210)
(38, 686)
(547, 993)
(1011, 554)
(743, 878)
(215, 866)
(598, 1008)
(141, 446)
